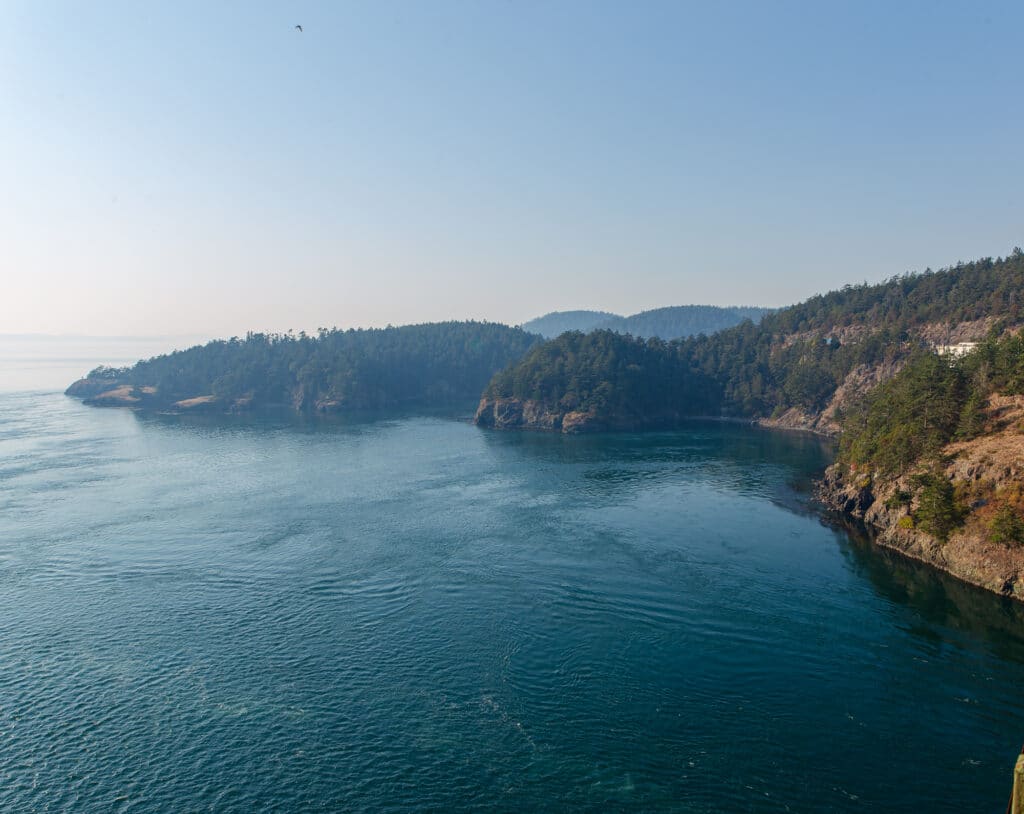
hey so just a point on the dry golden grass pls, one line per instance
(186, 404)
(124, 393)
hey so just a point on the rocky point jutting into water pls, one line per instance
(528, 414)
(599, 381)
(985, 476)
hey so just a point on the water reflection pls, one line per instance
(938, 599)
(777, 466)
(697, 440)
(287, 419)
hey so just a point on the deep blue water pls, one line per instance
(410, 613)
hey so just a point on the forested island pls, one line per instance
(433, 365)
(673, 322)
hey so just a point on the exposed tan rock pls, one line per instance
(796, 419)
(577, 421)
(520, 414)
(195, 403)
(512, 413)
(987, 471)
(123, 394)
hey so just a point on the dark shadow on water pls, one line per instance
(938, 599)
(284, 419)
(779, 466)
(696, 440)
(782, 467)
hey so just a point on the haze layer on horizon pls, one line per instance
(194, 168)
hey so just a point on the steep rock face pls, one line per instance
(525, 414)
(512, 413)
(796, 419)
(827, 422)
(578, 421)
(864, 377)
(986, 472)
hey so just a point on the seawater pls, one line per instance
(407, 613)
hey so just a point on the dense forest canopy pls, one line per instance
(798, 356)
(933, 400)
(680, 321)
(432, 364)
(608, 374)
(964, 292)
(795, 357)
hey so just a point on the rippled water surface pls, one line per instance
(410, 613)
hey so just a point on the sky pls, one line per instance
(205, 168)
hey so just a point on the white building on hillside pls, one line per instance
(956, 350)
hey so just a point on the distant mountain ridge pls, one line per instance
(672, 322)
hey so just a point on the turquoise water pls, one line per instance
(410, 613)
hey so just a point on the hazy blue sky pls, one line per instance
(205, 168)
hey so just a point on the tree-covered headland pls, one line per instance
(436, 364)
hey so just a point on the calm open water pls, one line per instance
(410, 613)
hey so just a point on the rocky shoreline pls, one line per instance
(982, 470)
(526, 414)
(116, 393)
(981, 473)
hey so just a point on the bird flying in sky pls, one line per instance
(298, 28)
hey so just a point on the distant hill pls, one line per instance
(678, 321)
(558, 322)
(673, 322)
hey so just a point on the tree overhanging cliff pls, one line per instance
(933, 461)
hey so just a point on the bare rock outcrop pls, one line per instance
(513, 413)
(986, 473)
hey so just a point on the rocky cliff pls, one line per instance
(526, 414)
(987, 479)
(863, 377)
